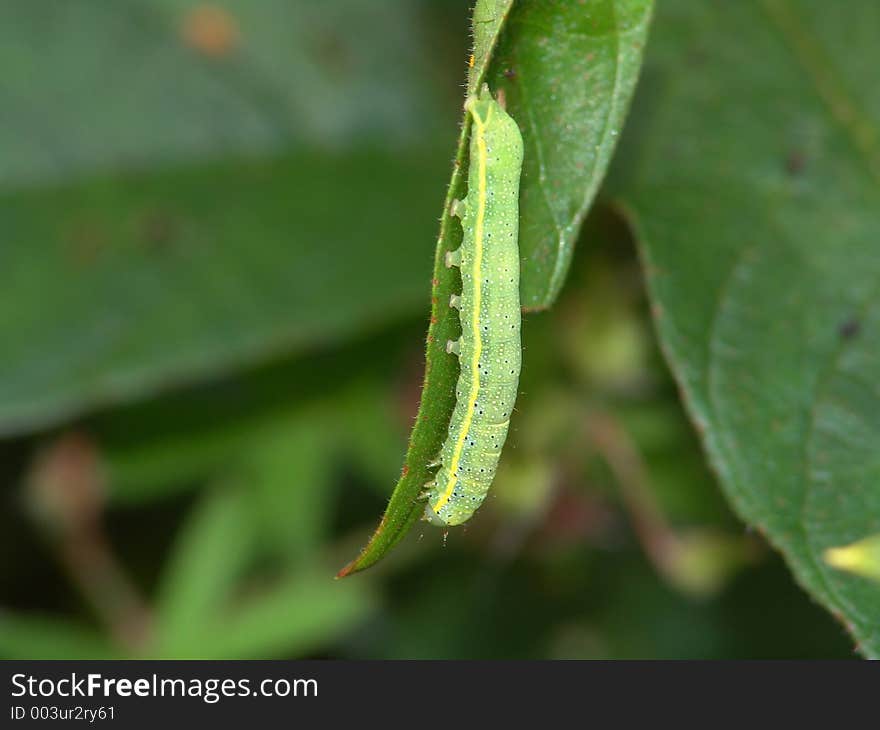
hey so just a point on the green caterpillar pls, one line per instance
(489, 349)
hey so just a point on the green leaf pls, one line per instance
(206, 563)
(752, 180)
(288, 472)
(567, 70)
(488, 19)
(186, 188)
(167, 278)
(94, 86)
(41, 637)
(298, 615)
(209, 603)
(861, 558)
(175, 442)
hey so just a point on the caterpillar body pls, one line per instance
(489, 350)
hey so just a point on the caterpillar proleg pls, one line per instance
(489, 349)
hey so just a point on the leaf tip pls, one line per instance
(861, 557)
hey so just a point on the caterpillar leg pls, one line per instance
(427, 489)
(434, 463)
(452, 347)
(453, 258)
(455, 301)
(458, 208)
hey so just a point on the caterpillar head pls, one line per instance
(490, 117)
(481, 106)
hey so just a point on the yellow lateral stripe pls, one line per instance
(478, 343)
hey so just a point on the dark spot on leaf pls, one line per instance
(795, 162)
(849, 329)
(158, 229)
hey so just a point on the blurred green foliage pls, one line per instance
(189, 461)
(754, 193)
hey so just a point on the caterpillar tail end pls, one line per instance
(432, 517)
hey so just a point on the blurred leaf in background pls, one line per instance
(754, 191)
(183, 210)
